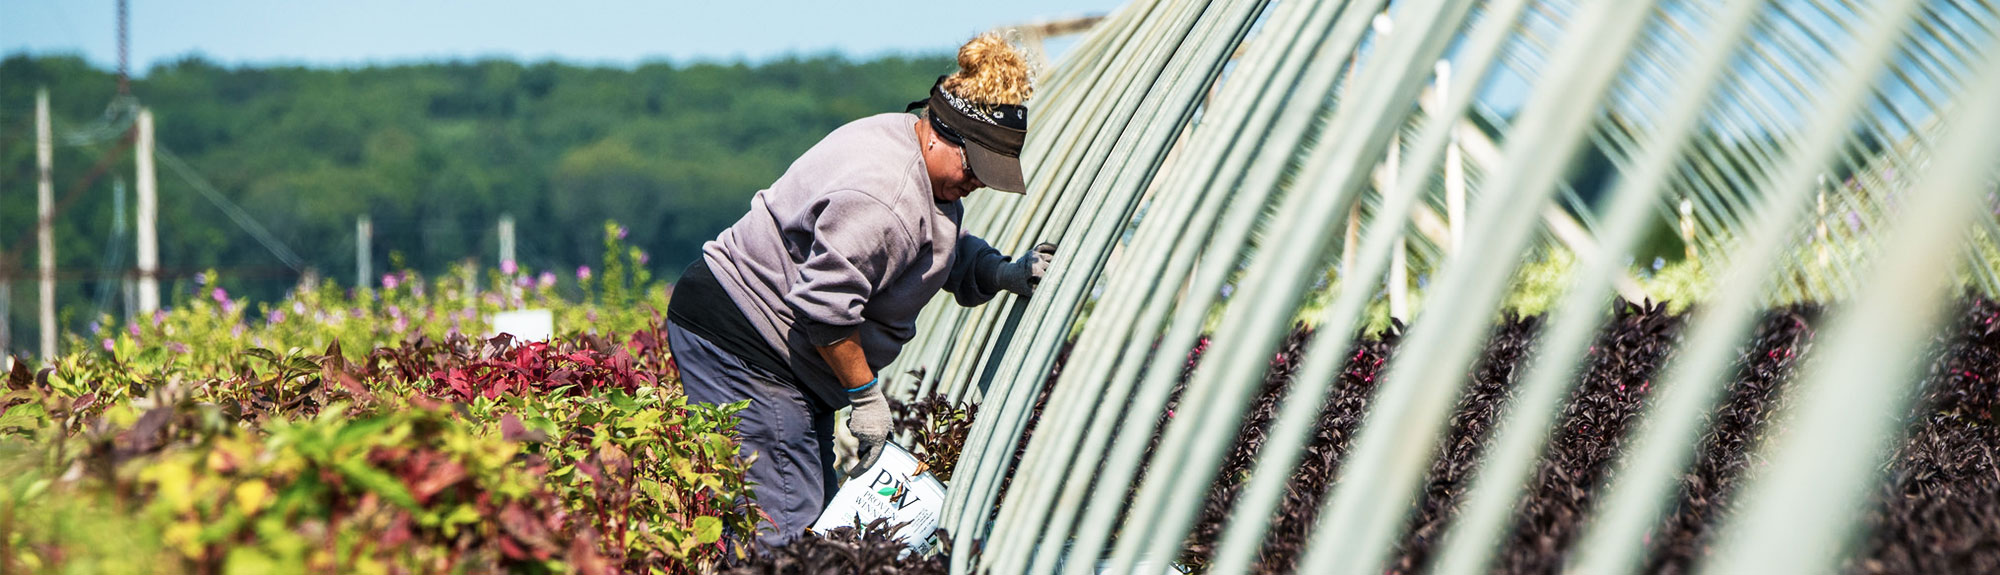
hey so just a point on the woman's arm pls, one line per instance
(850, 363)
(973, 266)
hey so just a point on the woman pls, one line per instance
(797, 305)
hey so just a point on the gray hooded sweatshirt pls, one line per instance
(849, 243)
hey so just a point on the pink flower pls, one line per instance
(276, 316)
(621, 232)
(508, 267)
(583, 272)
(389, 281)
(643, 258)
(107, 344)
(547, 279)
(219, 296)
(132, 328)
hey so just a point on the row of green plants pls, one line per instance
(209, 325)
(377, 431)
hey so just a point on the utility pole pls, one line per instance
(124, 48)
(149, 215)
(1350, 245)
(507, 241)
(45, 209)
(1454, 167)
(1399, 265)
(6, 332)
(363, 231)
(1687, 230)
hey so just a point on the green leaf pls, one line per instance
(707, 529)
(263, 354)
(360, 430)
(248, 560)
(378, 482)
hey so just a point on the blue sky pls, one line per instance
(612, 32)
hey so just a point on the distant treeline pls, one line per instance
(434, 154)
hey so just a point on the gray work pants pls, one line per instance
(789, 433)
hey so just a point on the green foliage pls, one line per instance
(420, 451)
(434, 154)
(210, 330)
(1537, 286)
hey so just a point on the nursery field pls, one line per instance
(1936, 511)
(377, 432)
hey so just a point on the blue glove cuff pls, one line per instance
(871, 383)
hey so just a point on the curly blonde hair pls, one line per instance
(991, 71)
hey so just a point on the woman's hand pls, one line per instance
(1024, 274)
(869, 422)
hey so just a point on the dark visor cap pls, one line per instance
(991, 134)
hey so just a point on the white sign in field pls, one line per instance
(897, 488)
(525, 324)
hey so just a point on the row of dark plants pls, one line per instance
(1937, 511)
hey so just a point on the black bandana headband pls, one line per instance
(998, 130)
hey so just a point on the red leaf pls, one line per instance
(583, 555)
(436, 479)
(398, 531)
(511, 429)
(522, 527)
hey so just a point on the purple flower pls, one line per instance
(582, 272)
(523, 281)
(508, 267)
(219, 296)
(276, 316)
(643, 258)
(389, 281)
(96, 327)
(107, 344)
(132, 328)
(547, 279)
(1853, 221)
(159, 317)
(621, 232)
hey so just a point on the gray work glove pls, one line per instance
(870, 425)
(1024, 273)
